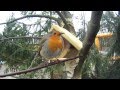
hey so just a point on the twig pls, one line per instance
(42, 65)
(27, 16)
(27, 24)
(33, 60)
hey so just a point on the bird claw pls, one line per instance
(46, 62)
(57, 59)
(51, 61)
(54, 61)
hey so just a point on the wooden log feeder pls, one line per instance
(102, 35)
(98, 46)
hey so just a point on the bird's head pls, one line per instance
(56, 33)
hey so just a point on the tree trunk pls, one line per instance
(93, 28)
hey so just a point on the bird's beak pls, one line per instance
(61, 33)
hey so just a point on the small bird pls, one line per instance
(51, 45)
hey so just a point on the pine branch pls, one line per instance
(20, 37)
(27, 16)
(42, 65)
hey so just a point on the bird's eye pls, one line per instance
(54, 33)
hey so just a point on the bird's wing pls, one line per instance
(42, 41)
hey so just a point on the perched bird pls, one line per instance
(51, 45)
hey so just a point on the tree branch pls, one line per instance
(63, 19)
(92, 31)
(27, 16)
(42, 65)
(19, 38)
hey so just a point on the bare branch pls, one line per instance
(42, 65)
(27, 16)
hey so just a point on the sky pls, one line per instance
(4, 16)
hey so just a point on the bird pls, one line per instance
(51, 45)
